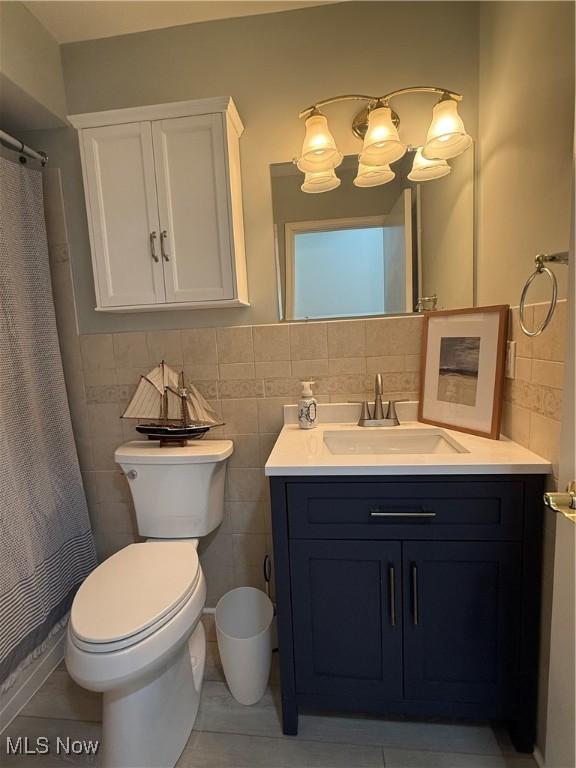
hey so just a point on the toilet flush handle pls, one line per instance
(131, 474)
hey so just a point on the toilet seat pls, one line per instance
(133, 594)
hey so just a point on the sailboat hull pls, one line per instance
(166, 432)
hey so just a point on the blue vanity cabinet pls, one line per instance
(347, 619)
(462, 622)
(414, 596)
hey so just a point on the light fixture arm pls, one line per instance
(334, 99)
(373, 100)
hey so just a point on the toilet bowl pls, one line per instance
(135, 635)
(135, 632)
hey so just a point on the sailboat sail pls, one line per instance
(162, 395)
(198, 408)
(174, 405)
(163, 376)
(146, 402)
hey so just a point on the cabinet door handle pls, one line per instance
(415, 606)
(163, 236)
(377, 512)
(392, 588)
(153, 237)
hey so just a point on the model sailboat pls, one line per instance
(177, 412)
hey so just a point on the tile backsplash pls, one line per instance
(533, 399)
(248, 373)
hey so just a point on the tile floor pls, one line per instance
(228, 735)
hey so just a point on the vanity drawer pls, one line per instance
(442, 510)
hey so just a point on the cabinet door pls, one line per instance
(347, 618)
(123, 210)
(191, 162)
(460, 620)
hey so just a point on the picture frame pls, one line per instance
(463, 365)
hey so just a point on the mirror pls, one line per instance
(396, 248)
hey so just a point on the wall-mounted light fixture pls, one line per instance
(377, 124)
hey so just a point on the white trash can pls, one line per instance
(244, 632)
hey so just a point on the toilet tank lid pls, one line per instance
(195, 452)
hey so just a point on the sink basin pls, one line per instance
(392, 440)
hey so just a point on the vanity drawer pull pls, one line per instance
(377, 512)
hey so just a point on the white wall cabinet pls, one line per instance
(164, 204)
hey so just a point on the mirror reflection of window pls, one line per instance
(350, 268)
(348, 263)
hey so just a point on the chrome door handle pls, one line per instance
(392, 588)
(415, 606)
(153, 237)
(163, 236)
(380, 513)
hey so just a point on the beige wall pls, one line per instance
(526, 111)
(273, 65)
(30, 69)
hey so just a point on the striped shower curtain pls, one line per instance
(46, 544)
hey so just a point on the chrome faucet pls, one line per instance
(378, 414)
(377, 418)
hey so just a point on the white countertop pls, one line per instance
(301, 452)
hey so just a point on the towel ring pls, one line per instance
(541, 259)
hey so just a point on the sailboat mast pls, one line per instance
(183, 400)
(164, 414)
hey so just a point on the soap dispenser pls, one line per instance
(307, 407)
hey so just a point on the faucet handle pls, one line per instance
(391, 412)
(364, 413)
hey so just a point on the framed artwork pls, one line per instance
(463, 363)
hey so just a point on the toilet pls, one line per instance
(135, 632)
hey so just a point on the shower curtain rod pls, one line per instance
(19, 146)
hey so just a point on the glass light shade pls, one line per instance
(382, 143)
(373, 175)
(319, 152)
(320, 181)
(447, 136)
(425, 170)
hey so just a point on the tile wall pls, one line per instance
(248, 373)
(533, 399)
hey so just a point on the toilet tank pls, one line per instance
(178, 492)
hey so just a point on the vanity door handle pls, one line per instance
(377, 512)
(415, 605)
(392, 589)
(153, 237)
